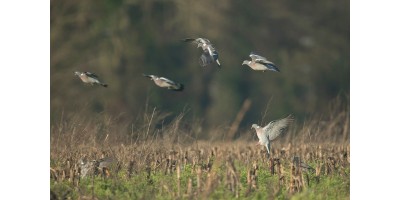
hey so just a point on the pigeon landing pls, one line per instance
(260, 63)
(272, 131)
(165, 83)
(209, 55)
(91, 78)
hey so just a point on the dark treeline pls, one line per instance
(121, 39)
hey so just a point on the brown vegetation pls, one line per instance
(171, 150)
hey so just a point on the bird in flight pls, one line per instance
(209, 54)
(260, 63)
(165, 83)
(91, 78)
(271, 131)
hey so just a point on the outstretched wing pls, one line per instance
(197, 40)
(203, 41)
(149, 76)
(188, 40)
(205, 59)
(277, 127)
(167, 81)
(271, 66)
(90, 74)
(257, 58)
(211, 51)
(173, 85)
(262, 60)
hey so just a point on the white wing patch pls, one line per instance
(167, 81)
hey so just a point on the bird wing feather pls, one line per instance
(173, 85)
(210, 50)
(257, 58)
(188, 39)
(167, 81)
(262, 60)
(205, 59)
(277, 127)
(204, 41)
(271, 66)
(149, 76)
(90, 74)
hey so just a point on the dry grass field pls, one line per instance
(102, 158)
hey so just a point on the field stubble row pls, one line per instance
(88, 160)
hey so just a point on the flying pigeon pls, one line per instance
(260, 63)
(88, 77)
(165, 83)
(209, 55)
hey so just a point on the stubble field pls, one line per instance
(89, 160)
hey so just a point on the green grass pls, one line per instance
(164, 186)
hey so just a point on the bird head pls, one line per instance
(152, 77)
(254, 126)
(77, 73)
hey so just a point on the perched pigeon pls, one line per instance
(209, 55)
(88, 77)
(260, 63)
(272, 131)
(165, 83)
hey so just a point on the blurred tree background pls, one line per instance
(121, 39)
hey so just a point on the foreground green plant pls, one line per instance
(225, 172)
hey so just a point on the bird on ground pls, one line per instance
(300, 163)
(105, 162)
(209, 55)
(271, 131)
(165, 83)
(95, 166)
(91, 78)
(86, 167)
(260, 63)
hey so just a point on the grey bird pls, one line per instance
(106, 162)
(91, 78)
(272, 131)
(209, 55)
(303, 166)
(93, 167)
(165, 83)
(260, 63)
(86, 167)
